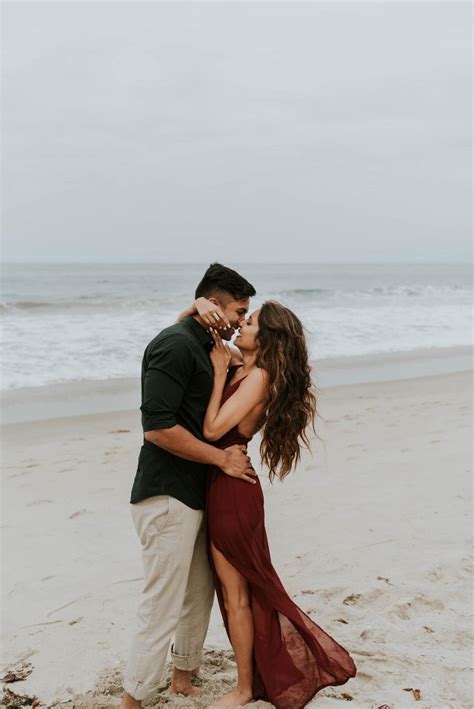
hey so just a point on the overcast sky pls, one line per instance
(281, 132)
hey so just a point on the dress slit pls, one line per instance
(294, 658)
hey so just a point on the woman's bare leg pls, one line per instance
(239, 615)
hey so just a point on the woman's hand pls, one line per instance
(211, 314)
(220, 354)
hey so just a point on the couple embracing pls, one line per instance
(198, 508)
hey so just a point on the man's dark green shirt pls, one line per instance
(177, 379)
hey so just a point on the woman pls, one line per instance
(282, 655)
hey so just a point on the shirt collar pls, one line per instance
(201, 333)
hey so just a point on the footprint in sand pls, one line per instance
(384, 578)
(367, 653)
(406, 610)
(75, 620)
(364, 599)
(377, 635)
(352, 599)
(437, 573)
(216, 675)
(18, 475)
(364, 677)
(79, 513)
(327, 594)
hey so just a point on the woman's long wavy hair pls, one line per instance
(291, 406)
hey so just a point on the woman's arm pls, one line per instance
(214, 404)
(210, 313)
(186, 313)
(235, 356)
(252, 391)
(220, 419)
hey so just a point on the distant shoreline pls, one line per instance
(77, 398)
(92, 322)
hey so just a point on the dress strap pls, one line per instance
(232, 371)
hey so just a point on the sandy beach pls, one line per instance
(371, 536)
(306, 154)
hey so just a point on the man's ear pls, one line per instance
(214, 300)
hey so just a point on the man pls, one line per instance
(168, 493)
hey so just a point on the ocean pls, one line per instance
(73, 322)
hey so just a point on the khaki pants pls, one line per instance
(177, 595)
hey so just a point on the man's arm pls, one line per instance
(179, 441)
(168, 372)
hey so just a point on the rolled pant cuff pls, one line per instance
(186, 662)
(138, 690)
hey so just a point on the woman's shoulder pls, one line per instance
(258, 376)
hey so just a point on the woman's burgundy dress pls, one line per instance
(293, 657)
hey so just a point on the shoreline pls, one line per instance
(78, 398)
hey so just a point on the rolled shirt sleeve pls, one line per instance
(168, 370)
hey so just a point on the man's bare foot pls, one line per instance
(186, 690)
(181, 683)
(189, 691)
(129, 702)
(233, 700)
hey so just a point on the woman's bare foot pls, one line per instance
(233, 700)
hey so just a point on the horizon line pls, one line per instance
(246, 263)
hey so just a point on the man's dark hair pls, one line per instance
(220, 279)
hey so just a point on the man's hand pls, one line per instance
(177, 440)
(237, 464)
